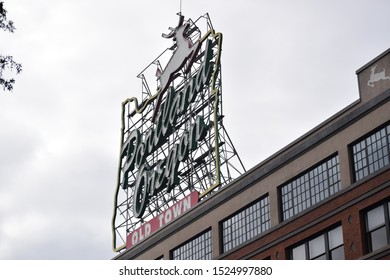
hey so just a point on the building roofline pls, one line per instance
(373, 61)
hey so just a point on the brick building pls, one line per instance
(324, 196)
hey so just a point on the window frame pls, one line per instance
(188, 241)
(245, 233)
(365, 138)
(367, 232)
(328, 251)
(303, 174)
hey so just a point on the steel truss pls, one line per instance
(213, 165)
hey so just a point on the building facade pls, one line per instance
(324, 196)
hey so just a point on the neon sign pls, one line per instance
(162, 219)
(173, 144)
(136, 150)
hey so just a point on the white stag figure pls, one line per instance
(375, 77)
(184, 53)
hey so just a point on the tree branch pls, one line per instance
(7, 62)
(6, 25)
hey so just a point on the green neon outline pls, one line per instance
(214, 91)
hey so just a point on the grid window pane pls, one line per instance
(329, 245)
(338, 253)
(322, 257)
(317, 247)
(335, 238)
(310, 188)
(376, 218)
(199, 248)
(372, 153)
(246, 224)
(378, 238)
(299, 253)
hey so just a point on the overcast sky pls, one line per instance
(286, 67)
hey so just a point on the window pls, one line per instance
(246, 224)
(372, 153)
(310, 188)
(198, 248)
(377, 227)
(327, 246)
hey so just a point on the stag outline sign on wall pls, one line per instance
(376, 77)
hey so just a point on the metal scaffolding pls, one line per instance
(211, 166)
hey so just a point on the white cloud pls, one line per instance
(285, 67)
